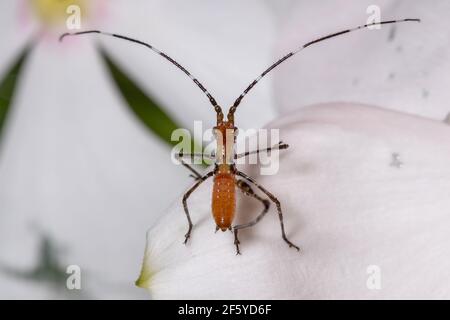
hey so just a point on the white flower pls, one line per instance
(76, 163)
(365, 194)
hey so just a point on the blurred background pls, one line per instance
(85, 124)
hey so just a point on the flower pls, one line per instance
(368, 227)
(76, 163)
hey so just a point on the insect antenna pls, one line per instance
(290, 54)
(217, 108)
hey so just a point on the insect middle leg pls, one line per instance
(274, 200)
(186, 196)
(247, 190)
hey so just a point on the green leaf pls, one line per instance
(8, 85)
(146, 109)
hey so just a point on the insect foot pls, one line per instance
(186, 237)
(291, 245)
(238, 252)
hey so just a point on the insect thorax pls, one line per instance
(225, 134)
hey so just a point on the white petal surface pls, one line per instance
(403, 67)
(345, 203)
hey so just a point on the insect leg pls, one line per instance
(193, 155)
(186, 196)
(196, 175)
(279, 146)
(247, 190)
(277, 203)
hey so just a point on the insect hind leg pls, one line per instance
(277, 203)
(247, 190)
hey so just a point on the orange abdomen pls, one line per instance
(224, 200)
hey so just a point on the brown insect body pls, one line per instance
(224, 188)
(225, 172)
(224, 197)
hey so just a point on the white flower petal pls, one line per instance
(344, 203)
(402, 67)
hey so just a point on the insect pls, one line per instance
(226, 176)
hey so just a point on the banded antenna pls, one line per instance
(290, 54)
(217, 108)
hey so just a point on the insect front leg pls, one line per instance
(186, 196)
(247, 190)
(279, 146)
(195, 174)
(274, 200)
